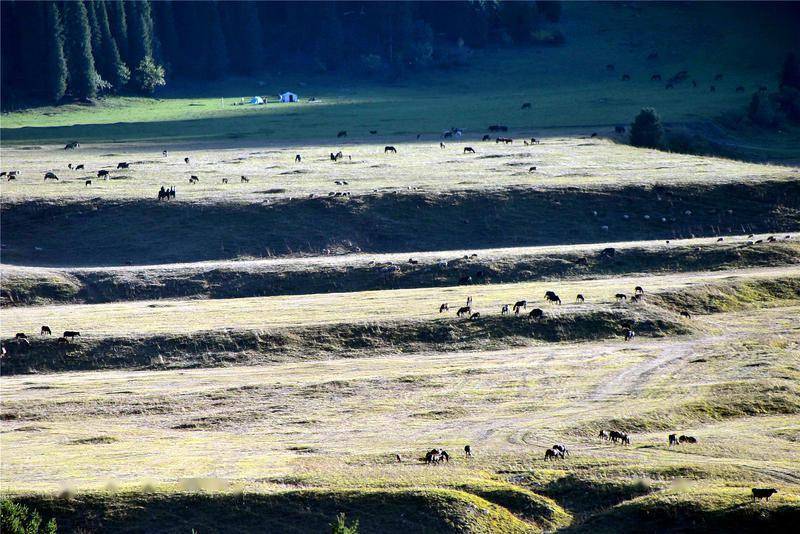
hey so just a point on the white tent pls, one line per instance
(256, 100)
(288, 97)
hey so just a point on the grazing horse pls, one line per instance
(464, 310)
(88, 183)
(467, 451)
(604, 435)
(62, 341)
(621, 296)
(444, 307)
(123, 165)
(298, 159)
(441, 145)
(342, 133)
(101, 173)
(164, 153)
(469, 150)
(193, 179)
(504, 310)
(534, 141)
(50, 176)
(72, 146)
(186, 160)
(70, 334)
(224, 180)
(630, 334)
(526, 105)
(531, 169)
(475, 316)
(620, 437)
(436, 456)
(580, 298)
(638, 290)
(550, 296)
(673, 439)
(637, 298)
(562, 448)
(388, 149)
(763, 493)
(520, 304)
(46, 331)
(553, 454)
(687, 439)
(244, 179)
(79, 167)
(536, 314)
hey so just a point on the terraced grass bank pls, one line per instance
(27, 286)
(119, 232)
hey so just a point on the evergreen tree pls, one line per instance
(165, 30)
(31, 46)
(140, 31)
(646, 130)
(111, 66)
(78, 46)
(54, 63)
(94, 31)
(217, 52)
(119, 28)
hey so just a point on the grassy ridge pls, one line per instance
(108, 233)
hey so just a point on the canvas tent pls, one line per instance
(256, 100)
(288, 97)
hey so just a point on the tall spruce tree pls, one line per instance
(54, 63)
(78, 46)
(217, 52)
(140, 32)
(166, 32)
(111, 66)
(119, 27)
(94, 31)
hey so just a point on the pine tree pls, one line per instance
(111, 66)
(166, 32)
(217, 58)
(94, 31)
(55, 64)
(646, 130)
(78, 47)
(140, 32)
(119, 27)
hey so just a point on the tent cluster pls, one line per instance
(283, 97)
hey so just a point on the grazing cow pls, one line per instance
(441, 145)
(79, 167)
(388, 149)
(224, 180)
(580, 298)
(475, 316)
(531, 169)
(626, 77)
(520, 304)
(552, 454)
(504, 310)
(62, 341)
(506, 140)
(193, 179)
(20, 335)
(687, 439)
(123, 165)
(186, 160)
(101, 173)
(550, 296)
(620, 437)
(637, 298)
(444, 307)
(620, 296)
(604, 435)
(534, 141)
(244, 179)
(486, 137)
(619, 129)
(763, 493)
(526, 105)
(69, 166)
(740, 89)
(638, 290)
(72, 146)
(467, 451)
(342, 133)
(469, 150)
(88, 183)
(436, 456)
(12, 178)
(686, 314)
(46, 331)
(655, 78)
(70, 334)
(50, 176)
(673, 439)
(562, 448)
(536, 314)
(464, 310)
(298, 159)
(630, 334)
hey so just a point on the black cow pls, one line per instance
(72, 146)
(536, 314)
(580, 298)
(388, 149)
(469, 150)
(50, 176)
(71, 334)
(342, 133)
(444, 307)
(550, 296)
(123, 165)
(526, 105)
(763, 493)
(464, 310)
(298, 159)
(101, 173)
(46, 331)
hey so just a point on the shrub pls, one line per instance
(341, 526)
(149, 75)
(646, 130)
(19, 519)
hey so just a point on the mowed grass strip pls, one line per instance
(185, 316)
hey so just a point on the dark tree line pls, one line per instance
(79, 49)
